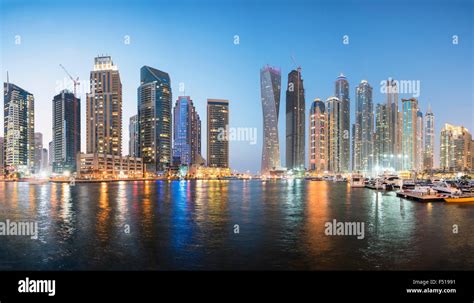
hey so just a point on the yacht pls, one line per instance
(357, 180)
(444, 187)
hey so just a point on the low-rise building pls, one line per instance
(103, 166)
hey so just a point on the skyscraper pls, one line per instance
(133, 136)
(342, 93)
(66, 132)
(419, 142)
(335, 115)
(382, 143)
(217, 133)
(455, 148)
(186, 131)
(50, 155)
(364, 128)
(38, 152)
(409, 144)
(19, 129)
(155, 120)
(429, 140)
(270, 89)
(104, 109)
(44, 160)
(394, 125)
(317, 137)
(295, 121)
(2, 160)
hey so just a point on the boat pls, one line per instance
(357, 180)
(444, 187)
(459, 199)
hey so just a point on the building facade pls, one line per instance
(133, 134)
(18, 130)
(409, 140)
(455, 148)
(217, 133)
(38, 152)
(419, 142)
(334, 137)
(2, 158)
(381, 139)
(66, 132)
(341, 92)
(270, 90)
(186, 132)
(295, 121)
(429, 140)
(363, 129)
(395, 126)
(317, 137)
(102, 166)
(155, 119)
(104, 109)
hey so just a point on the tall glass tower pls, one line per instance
(363, 128)
(270, 89)
(409, 146)
(18, 129)
(342, 93)
(104, 109)
(317, 136)
(154, 118)
(429, 140)
(66, 131)
(295, 121)
(186, 131)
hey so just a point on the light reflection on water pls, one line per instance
(190, 225)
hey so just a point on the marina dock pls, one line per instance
(420, 196)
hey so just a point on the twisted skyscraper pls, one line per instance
(270, 88)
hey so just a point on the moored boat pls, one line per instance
(459, 199)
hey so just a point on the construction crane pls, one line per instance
(76, 107)
(76, 81)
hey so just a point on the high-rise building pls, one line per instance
(104, 109)
(186, 131)
(67, 131)
(409, 141)
(455, 148)
(270, 89)
(38, 152)
(394, 126)
(334, 137)
(342, 93)
(50, 155)
(429, 140)
(295, 121)
(419, 142)
(155, 119)
(44, 160)
(2, 166)
(363, 128)
(217, 133)
(133, 136)
(19, 129)
(381, 138)
(317, 137)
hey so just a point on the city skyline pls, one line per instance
(319, 66)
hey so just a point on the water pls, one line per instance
(191, 225)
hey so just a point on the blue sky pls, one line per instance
(194, 42)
